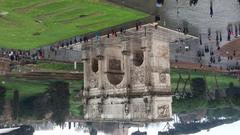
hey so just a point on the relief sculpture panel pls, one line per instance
(114, 64)
(163, 111)
(163, 78)
(138, 75)
(93, 81)
(139, 111)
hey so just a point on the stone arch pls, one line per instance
(115, 79)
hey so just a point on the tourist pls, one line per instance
(217, 38)
(219, 59)
(193, 2)
(159, 3)
(97, 36)
(140, 24)
(239, 29)
(113, 32)
(220, 36)
(206, 49)
(185, 30)
(229, 36)
(209, 33)
(155, 26)
(137, 27)
(200, 39)
(145, 30)
(211, 8)
(236, 31)
(121, 30)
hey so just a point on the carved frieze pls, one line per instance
(93, 111)
(93, 80)
(114, 64)
(139, 110)
(163, 78)
(138, 75)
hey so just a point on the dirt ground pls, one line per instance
(228, 49)
(193, 66)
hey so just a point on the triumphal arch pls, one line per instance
(127, 77)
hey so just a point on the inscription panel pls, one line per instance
(138, 111)
(114, 64)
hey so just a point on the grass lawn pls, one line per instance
(76, 107)
(223, 80)
(28, 88)
(188, 105)
(27, 24)
(193, 104)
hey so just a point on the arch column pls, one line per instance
(100, 73)
(85, 61)
(100, 51)
(146, 42)
(126, 59)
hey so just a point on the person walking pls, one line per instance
(200, 39)
(211, 8)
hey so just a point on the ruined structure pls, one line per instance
(127, 78)
(4, 65)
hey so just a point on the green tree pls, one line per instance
(198, 86)
(2, 98)
(59, 101)
(15, 104)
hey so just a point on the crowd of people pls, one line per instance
(35, 54)
(85, 39)
(15, 55)
(22, 56)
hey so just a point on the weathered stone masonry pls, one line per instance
(127, 78)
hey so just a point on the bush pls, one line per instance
(2, 98)
(233, 92)
(2, 91)
(59, 101)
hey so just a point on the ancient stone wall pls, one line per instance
(4, 66)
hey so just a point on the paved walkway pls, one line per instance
(212, 57)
